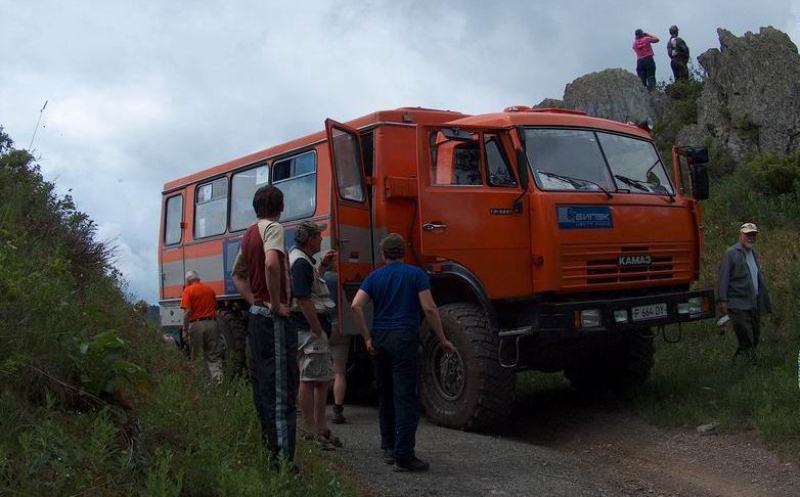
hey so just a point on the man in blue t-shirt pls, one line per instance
(399, 292)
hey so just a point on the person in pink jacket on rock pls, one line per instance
(645, 64)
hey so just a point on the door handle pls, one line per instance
(434, 226)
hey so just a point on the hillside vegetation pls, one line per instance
(92, 402)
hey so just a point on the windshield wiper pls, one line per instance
(641, 185)
(669, 194)
(576, 182)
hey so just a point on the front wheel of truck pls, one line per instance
(623, 365)
(467, 389)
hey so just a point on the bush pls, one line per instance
(92, 402)
(773, 174)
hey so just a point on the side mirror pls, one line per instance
(697, 155)
(699, 174)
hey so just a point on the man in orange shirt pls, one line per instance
(199, 304)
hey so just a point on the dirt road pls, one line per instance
(565, 446)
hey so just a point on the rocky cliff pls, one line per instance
(613, 93)
(751, 98)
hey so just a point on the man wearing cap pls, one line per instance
(678, 53)
(398, 292)
(199, 304)
(742, 290)
(261, 275)
(311, 313)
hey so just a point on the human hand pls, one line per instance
(370, 348)
(281, 310)
(448, 346)
(185, 336)
(327, 259)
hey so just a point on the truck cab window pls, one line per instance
(211, 208)
(497, 165)
(296, 177)
(635, 164)
(567, 159)
(243, 186)
(457, 161)
(172, 223)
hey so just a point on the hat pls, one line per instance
(393, 246)
(748, 228)
(638, 33)
(304, 230)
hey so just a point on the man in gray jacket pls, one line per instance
(742, 290)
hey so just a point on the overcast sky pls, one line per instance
(143, 92)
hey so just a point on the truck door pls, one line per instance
(471, 207)
(351, 230)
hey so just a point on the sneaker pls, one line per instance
(388, 456)
(410, 464)
(338, 415)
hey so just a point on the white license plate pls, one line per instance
(652, 311)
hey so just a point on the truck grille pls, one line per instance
(584, 265)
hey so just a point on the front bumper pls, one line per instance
(565, 316)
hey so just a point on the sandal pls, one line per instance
(324, 444)
(331, 438)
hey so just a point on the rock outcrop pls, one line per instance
(613, 94)
(751, 98)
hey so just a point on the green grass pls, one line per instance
(92, 402)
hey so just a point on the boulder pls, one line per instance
(613, 94)
(751, 98)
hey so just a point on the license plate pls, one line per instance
(652, 311)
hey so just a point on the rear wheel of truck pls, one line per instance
(467, 389)
(624, 365)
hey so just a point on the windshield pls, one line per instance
(567, 159)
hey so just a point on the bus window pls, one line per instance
(211, 208)
(296, 177)
(243, 186)
(172, 223)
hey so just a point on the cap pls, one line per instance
(304, 230)
(393, 246)
(638, 32)
(749, 228)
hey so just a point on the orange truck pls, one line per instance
(554, 241)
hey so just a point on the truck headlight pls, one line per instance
(591, 318)
(683, 308)
(621, 316)
(695, 305)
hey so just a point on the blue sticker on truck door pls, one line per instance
(571, 217)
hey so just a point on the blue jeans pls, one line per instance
(396, 373)
(275, 379)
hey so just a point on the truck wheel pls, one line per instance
(467, 389)
(625, 365)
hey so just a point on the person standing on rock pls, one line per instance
(645, 64)
(742, 291)
(399, 292)
(678, 53)
(199, 304)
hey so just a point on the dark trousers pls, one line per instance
(747, 326)
(396, 373)
(275, 378)
(646, 70)
(679, 69)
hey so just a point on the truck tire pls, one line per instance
(468, 389)
(625, 365)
